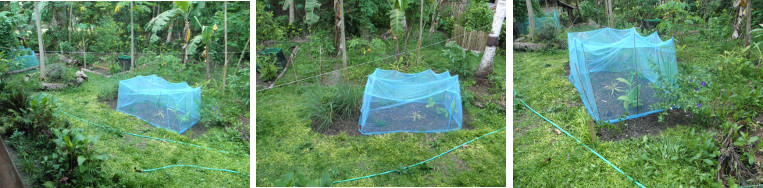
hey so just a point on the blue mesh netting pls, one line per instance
(420, 102)
(26, 57)
(619, 73)
(173, 106)
(552, 19)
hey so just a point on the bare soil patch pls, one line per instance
(647, 125)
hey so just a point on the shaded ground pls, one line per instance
(647, 125)
(9, 177)
(347, 125)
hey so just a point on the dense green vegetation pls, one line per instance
(293, 147)
(718, 87)
(54, 149)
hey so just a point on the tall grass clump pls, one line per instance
(328, 104)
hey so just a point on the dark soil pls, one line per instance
(412, 117)
(347, 125)
(111, 101)
(647, 125)
(160, 115)
(567, 69)
(244, 129)
(351, 125)
(196, 130)
(609, 108)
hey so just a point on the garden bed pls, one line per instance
(605, 98)
(647, 125)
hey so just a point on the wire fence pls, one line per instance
(358, 65)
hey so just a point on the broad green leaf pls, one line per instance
(80, 159)
(396, 18)
(310, 16)
(194, 43)
(183, 6)
(623, 81)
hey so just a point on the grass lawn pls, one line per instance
(543, 158)
(127, 153)
(286, 142)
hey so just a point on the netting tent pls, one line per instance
(173, 106)
(550, 19)
(421, 102)
(620, 74)
(26, 57)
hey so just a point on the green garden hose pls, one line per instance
(581, 143)
(422, 162)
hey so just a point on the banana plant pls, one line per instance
(205, 38)
(183, 9)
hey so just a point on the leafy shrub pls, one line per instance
(267, 29)
(676, 18)
(114, 68)
(267, 68)
(109, 36)
(478, 16)
(238, 84)
(7, 35)
(590, 11)
(327, 104)
(688, 152)
(74, 163)
(459, 60)
(59, 73)
(36, 116)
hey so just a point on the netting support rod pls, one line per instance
(580, 79)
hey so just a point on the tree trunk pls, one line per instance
(434, 16)
(225, 29)
(337, 25)
(132, 40)
(238, 65)
(530, 16)
(610, 16)
(169, 33)
(71, 25)
(421, 31)
(291, 12)
(187, 33)
(486, 65)
(749, 17)
(40, 42)
(344, 51)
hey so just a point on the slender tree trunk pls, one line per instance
(344, 50)
(169, 32)
(40, 42)
(291, 12)
(337, 26)
(749, 18)
(486, 65)
(434, 16)
(530, 16)
(187, 33)
(132, 40)
(421, 31)
(225, 30)
(71, 26)
(238, 65)
(610, 16)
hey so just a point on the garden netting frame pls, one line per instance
(607, 62)
(550, 18)
(420, 102)
(172, 106)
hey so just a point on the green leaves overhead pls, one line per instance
(159, 22)
(396, 18)
(310, 16)
(183, 6)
